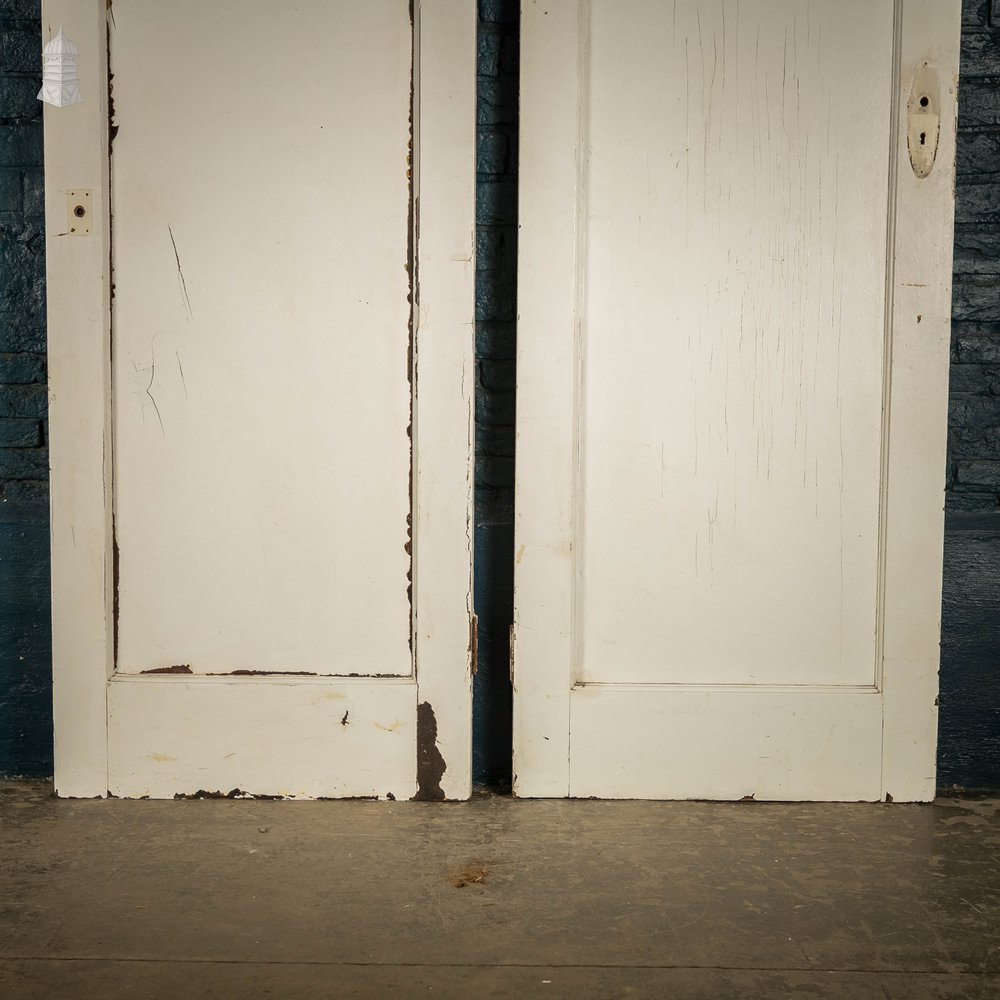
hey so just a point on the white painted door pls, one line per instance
(261, 349)
(736, 228)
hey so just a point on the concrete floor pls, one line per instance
(496, 898)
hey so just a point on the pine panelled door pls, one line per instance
(734, 282)
(260, 317)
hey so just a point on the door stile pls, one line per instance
(544, 517)
(79, 311)
(444, 366)
(920, 304)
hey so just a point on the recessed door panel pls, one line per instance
(733, 281)
(734, 290)
(261, 326)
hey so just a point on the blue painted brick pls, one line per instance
(34, 194)
(497, 441)
(21, 368)
(491, 152)
(18, 98)
(492, 407)
(493, 470)
(975, 13)
(978, 106)
(10, 191)
(498, 11)
(496, 340)
(978, 204)
(978, 155)
(20, 145)
(24, 463)
(23, 401)
(975, 297)
(497, 103)
(980, 53)
(21, 52)
(496, 203)
(20, 10)
(488, 53)
(20, 433)
(15, 337)
(497, 376)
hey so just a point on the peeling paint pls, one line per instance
(430, 764)
(235, 793)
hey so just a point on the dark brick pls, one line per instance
(21, 368)
(34, 193)
(509, 56)
(16, 337)
(978, 155)
(24, 463)
(20, 146)
(499, 11)
(496, 251)
(496, 340)
(497, 376)
(980, 54)
(497, 441)
(975, 297)
(495, 408)
(491, 153)
(497, 104)
(977, 476)
(21, 52)
(977, 348)
(10, 191)
(22, 267)
(488, 53)
(496, 301)
(496, 203)
(20, 433)
(979, 103)
(977, 249)
(494, 471)
(489, 244)
(971, 502)
(978, 204)
(26, 491)
(23, 401)
(23, 10)
(975, 13)
(18, 98)
(972, 417)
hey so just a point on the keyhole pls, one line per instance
(923, 138)
(80, 211)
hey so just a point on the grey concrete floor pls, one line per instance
(497, 898)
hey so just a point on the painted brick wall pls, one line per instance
(969, 735)
(25, 643)
(974, 424)
(496, 246)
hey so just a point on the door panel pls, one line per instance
(704, 494)
(731, 363)
(261, 336)
(273, 502)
